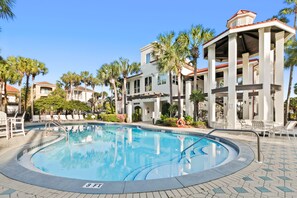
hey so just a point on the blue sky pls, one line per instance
(75, 35)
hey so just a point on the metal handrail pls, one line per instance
(230, 130)
(57, 124)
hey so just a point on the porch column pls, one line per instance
(182, 107)
(189, 104)
(265, 69)
(156, 109)
(279, 77)
(225, 98)
(211, 84)
(245, 81)
(232, 81)
(129, 112)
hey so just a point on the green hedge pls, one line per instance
(170, 122)
(113, 117)
(199, 124)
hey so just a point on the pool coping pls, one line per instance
(12, 169)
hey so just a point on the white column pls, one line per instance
(189, 104)
(225, 98)
(182, 107)
(129, 112)
(157, 109)
(246, 80)
(211, 84)
(272, 82)
(232, 81)
(265, 69)
(279, 77)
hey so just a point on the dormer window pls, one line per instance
(148, 58)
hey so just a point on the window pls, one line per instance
(136, 86)
(148, 83)
(45, 90)
(128, 87)
(148, 58)
(162, 79)
(239, 80)
(174, 80)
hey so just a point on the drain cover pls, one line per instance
(93, 185)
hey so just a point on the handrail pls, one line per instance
(231, 130)
(57, 124)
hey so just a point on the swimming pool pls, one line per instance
(107, 152)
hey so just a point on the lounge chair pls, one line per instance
(56, 117)
(4, 129)
(69, 118)
(288, 129)
(261, 128)
(81, 117)
(17, 125)
(42, 118)
(75, 117)
(35, 118)
(245, 124)
(63, 118)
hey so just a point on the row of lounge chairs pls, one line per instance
(42, 118)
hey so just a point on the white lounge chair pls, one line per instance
(81, 117)
(69, 118)
(48, 117)
(42, 118)
(4, 129)
(75, 117)
(56, 117)
(289, 129)
(35, 118)
(63, 118)
(260, 127)
(17, 125)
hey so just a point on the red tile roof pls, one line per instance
(11, 89)
(44, 83)
(220, 66)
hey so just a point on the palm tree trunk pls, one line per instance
(178, 92)
(195, 87)
(93, 99)
(170, 88)
(86, 93)
(32, 105)
(71, 92)
(1, 101)
(124, 99)
(288, 95)
(115, 97)
(26, 92)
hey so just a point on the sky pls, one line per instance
(75, 35)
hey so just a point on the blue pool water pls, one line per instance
(125, 153)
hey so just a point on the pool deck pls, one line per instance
(275, 177)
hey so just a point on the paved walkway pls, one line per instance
(275, 177)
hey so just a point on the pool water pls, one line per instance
(124, 153)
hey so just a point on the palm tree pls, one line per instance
(27, 68)
(85, 77)
(93, 82)
(283, 15)
(70, 80)
(109, 73)
(6, 9)
(196, 97)
(161, 49)
(295, 88)
(195, 38)
(127, 69)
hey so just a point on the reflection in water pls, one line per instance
(117, 153)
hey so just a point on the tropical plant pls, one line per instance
(6, 9)
(295, 88)
(195, 38)
(85, 78)
(28, 68)
(196, 97)
(126, 69)
(173, 109)
(76, 105)
(290, 63)
(283, 15)
(71, 80)
(93, 82)
(109, 73)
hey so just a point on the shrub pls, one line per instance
(110, 117)
(199, 124)
(121, 117)
(159, 122)
(90, 117)
(170, 122)
(136, 117)
(163, 117)
(188, 120)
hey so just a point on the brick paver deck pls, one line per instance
(275, 177)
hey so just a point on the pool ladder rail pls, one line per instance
(183, 153)
(47, 127)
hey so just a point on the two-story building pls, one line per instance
(80, 93)
(42, 89)
(246, 84)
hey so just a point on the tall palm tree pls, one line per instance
(27, 68)
(109, 73)
(283, 14)
(195, 37)
(71, 80)
(127, 69)
(85, 77)
(162, 48)
(93, 82)
(197, 96)
(6, 9)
